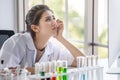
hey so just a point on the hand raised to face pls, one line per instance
(59, 28)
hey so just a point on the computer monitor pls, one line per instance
(114, 31)
(4, 35)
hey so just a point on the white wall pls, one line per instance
(7, 14)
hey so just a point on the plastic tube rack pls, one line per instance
(86, 73)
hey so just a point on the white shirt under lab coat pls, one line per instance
(20, 50)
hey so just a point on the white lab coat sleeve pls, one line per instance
(6, 51)
(66, 55)
(11, 52)
(61, 52)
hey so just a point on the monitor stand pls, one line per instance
(113, 70)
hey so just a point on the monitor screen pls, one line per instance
(114, 30)
(3, 38)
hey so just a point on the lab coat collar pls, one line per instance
(31, 45)
(48, 48)
(48, 53)
(29, 41)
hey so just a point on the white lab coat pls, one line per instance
(20, 50)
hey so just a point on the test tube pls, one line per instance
(85, 62)
(80, 62)
(59, 69)
(64, 69)
(83, 76)
(37, 68)
(94, 64)
(53, 66)
(53, 69)
(47, 69)
(42, 69)
(89, 64)
(89, 61)
(94, 60)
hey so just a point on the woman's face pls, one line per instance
(47, 24)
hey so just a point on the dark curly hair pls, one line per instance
(34, 15)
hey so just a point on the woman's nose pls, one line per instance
(53, 22)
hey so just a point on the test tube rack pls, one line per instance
(90, 73)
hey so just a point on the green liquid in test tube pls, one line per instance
(59, 69)
(64, 69)
(42, 69)
(59, 72)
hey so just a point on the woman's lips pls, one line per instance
(55, 28)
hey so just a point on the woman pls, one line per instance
(37, 44)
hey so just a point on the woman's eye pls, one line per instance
(53, 18)
(48, 19)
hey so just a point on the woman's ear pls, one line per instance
(35, 28)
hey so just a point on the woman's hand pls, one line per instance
(31, 69)
(59, 26)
